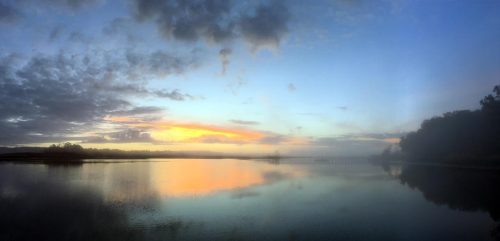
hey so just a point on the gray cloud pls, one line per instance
(174, 95)
(50, 97)
(267, 26)
(78, 37)
(140, 110)
(224, 56)
(244, 122)
(264, 24)
(55, 33)
(291, 87)
(8, 14)
(124, 136)
(72, 4)
(188, 20)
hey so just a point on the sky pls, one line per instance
(323, 77)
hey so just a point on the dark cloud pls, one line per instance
(8, 14)
(55, 33)
(157, 63)
(140, 110)
(124, 136)
(174, 95)
(216, 21)
(50, 97)
(244, 122)
(71, 4)
(224, 56)
(267, 26)
(189, 20)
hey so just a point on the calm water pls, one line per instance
(197, 199)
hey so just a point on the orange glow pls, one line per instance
(178, 136)
(171, 131)
(184, 177)
(392, 140)
(201, 177)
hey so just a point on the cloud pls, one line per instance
(78, 37)
(224, 55)
(291, 87)
(201, 133)
(236, 84)
(173, 95)
(71, 4)
(55, 33)
(219, 139)
(216, 21)
(267, 26)
(344, 108)
(266, 139)
(52, 96)
(8, 14)
(244, 122)
(188, 20)
(124, 136)
(140, 110)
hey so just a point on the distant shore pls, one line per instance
(75, 158)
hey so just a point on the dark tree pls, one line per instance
(459, 136)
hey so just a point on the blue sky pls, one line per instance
(332, 77)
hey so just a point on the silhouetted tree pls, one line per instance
(465, 136)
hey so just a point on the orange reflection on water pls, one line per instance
(189, 177)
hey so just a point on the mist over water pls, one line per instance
(228, 199)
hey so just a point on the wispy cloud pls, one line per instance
(224, 56)
(244, 122)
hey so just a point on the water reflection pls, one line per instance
(201, 177)
(33, 207)
(461, 189)
(233, 200)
